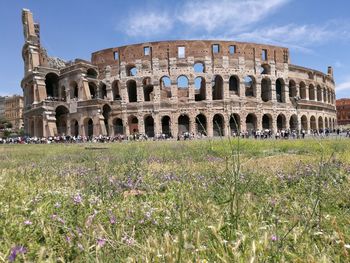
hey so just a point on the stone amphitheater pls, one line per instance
(214, 88)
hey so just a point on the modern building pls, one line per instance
(14, 111)
(343, 111)
(172, 87)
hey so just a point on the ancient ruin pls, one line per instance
(172, 87)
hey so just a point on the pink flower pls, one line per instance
(27, 223)
(101, 242)
(274, 238)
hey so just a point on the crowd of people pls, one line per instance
(257, 134)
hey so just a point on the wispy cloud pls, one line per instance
(344, 86)
(147, 24)
(231, 15)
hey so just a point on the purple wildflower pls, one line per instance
(77, 199)
(274, 238)
(112, 219)
(27, 223)
(101, 242)
(16, 251)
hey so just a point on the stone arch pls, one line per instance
(61, 119)
(116, 90)
(183, 124)
(234, 85)
(217, 88)
(313, 125)
(201, 124)
(74, 127)
(106, 112)
(131, 70)
(280, 90)
(251, 122)
(51, 84)
(91, 73)
(265, 69)
(319, 93)
(199, 67)
(320, 123)
(293, 122)
(302, 90)
(325, 98)
(326, 124)
(267, 122)
(149, 126)
(281, 122)
(218, 125)
(74, 91)
(103, 91)
(250, 86)
(93, 90)
(199, 89)
(266, 89)
(235, 124)
(148, 89)
(133, 124)
(166, 125)
(292, 89)
(165, 87)
(183, 87)
(304, 123)
(132, 90)
(311, 92)
(118, 126)
(89, 127)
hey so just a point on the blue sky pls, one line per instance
(316, 32)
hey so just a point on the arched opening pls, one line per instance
(106, 111)
(319, 93)
(217, 88)
(166, 126)
(249, 84)
(311, 92)
(133, 125)
(131, 70)
(51, 83)
(93, 90)
(293, 122)
(292, 89)
(235, 124)
(266, 89)
(103, 92)
(201, 124)
(62, 93)
(199, 89)
(267, 122)
(313, 123)
(89, 127)
(91, 73)
(281, 122)
(183, 124)
(320, 123)
(116, 90)
(149, 126)
(265, 69)
(61, 120)
(148, 89)
(304, 124)
(302, 90)
(132, 90)
(74, 128)
(199, 67)
(182, 88)
(325, 98)
(329, 96)
(40, 128)
(165, 87)
(250, 122)
(280, 90)
(74, 92)
(234, 85)
(326, 124)
(118, 126)
(218, 125)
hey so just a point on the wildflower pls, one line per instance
(128, 240)
(101, 242)
(68, 239)
(274, 238)
(57, 205)
(16, 251)
(112, 219)
(27, 223)
(80, 246)
(77, 199)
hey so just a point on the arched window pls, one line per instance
(292, 89)
(217, 88)
(165, 87)
(182, 85)
(132, 90)
(148, 89)
(199, 67)
(74, 92)
(93, 90)
(266, 89)
(131, 70)
(91, 73)
(234, 85)
(249, 83)
(51, 83)
(199, 88)
(116, 91)
(280, 90)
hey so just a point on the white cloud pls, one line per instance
(231, 15)
(148, 24)
(343, 86)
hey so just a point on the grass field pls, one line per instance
(199, 201)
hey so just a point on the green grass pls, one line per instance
(280, 201)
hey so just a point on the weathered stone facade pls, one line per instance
(343, 111)
(212, 87)
(14, 111)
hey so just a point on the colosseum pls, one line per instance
(171, 87)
